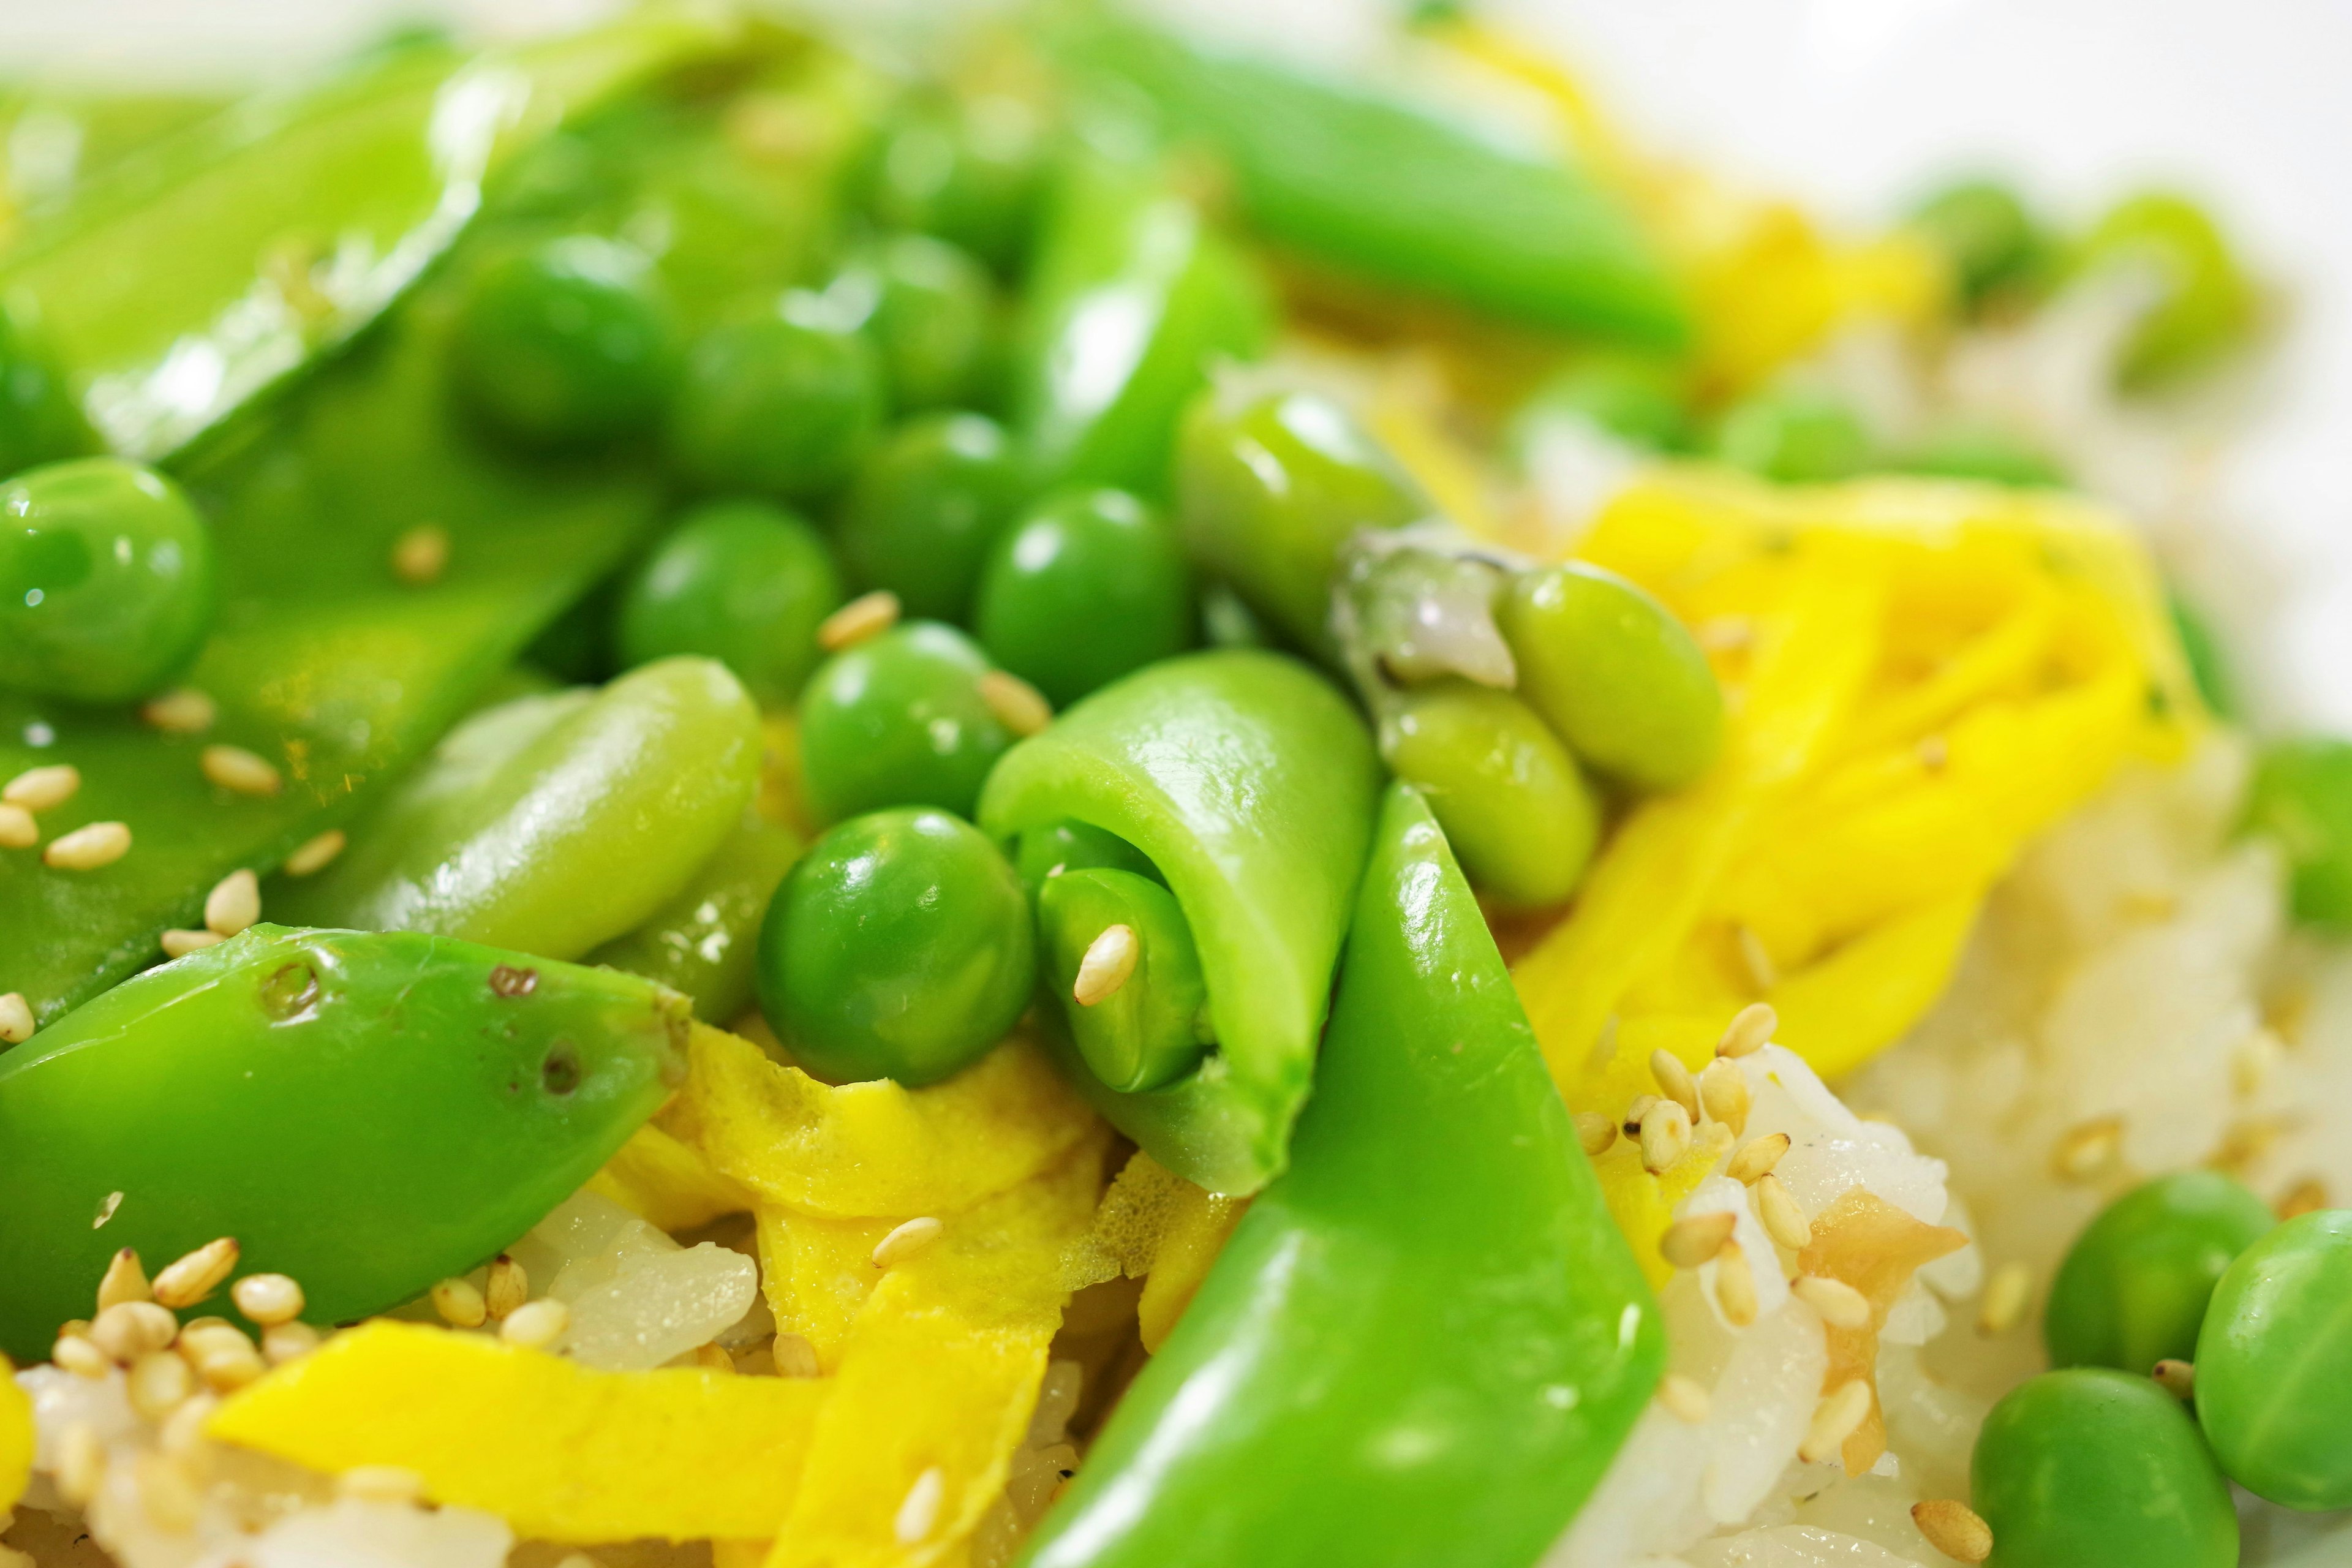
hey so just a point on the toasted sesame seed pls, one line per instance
(1953, 1528)
(267, 1299)
(87, 847)
(1665, 1135)
(1674, 1082)
(186, 711)
(282, 1342)
(18, 829)
(1735, 1284)
(1751, 1030)
(1784, 1221)
(794, 1356)
(222, 1356)
(167, 1494)
(420, 555)
(536, 1325)
(2006, 1295)
(157, 1382)
(1840, 1304)
(920, 1510)
(906, 1241)
(106, 1207)
(81, 1463)
(459, 1303)
(1018, 706)
(505, 1288)
(240, 772)
(2178, 1378)
(1723, 1093)
(1594, 1131)
(2305, 1196)
(16, 1018)
(1757, 1157)
(188, 1279)
(37, 789)
(713, 1357)
(1109, 960)
(2086, 1150)
(867, 615)
(313, 855)
(1762, 973)
(1635, 1112)
(1685, 1398)
(129, 1329)
(179, 943)
(1838, 1416)
(233, 904)
(1933, 751)
(380, 1483)
(76, 1354)
(125, 1280)
(1696, 1238)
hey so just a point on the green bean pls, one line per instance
(1139, 1014)
(783, 404)
(1089, 585)
(2133, 1288)
(926, 505)
(741, 582)
(899, 719)
(1519, 816)
(2274, 1364)
(2301, 797)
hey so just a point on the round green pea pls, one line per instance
(2274, 1364)
(2091, 1468)
(1154, 1028)
(1987, 235)
(969, 172)
(1612, 671)
(2208, 305)
(783, 404)
(899, 719)
(926, 505)
(1519, 816)
(106, 581)
(1089, 585)
(1639, 402)
(1794, 436)
(2302, 796)
(933, 316)
(899, 947)
(741, 582)
(1070, 844)
(39, 422)
(2133, 1288)
(568, 342)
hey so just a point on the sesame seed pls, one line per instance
(186, 711)
(81, 1463)
(1762, 973)
(221, 1355)
(794, 1356)
(76, 1354)
(1665, 1135)
(37, 789)
(1684, 1398)
(18, 829)
(188, 1279)
(1933, 753)
(1953, 1528)
(459, 1304)
(906, 1241)
(1712, 1142)
(867, 615)
(1784, 1222)
(267, 1299)
(921, 1510)
(233, 904)
(16, 1018)
(282, 1342)
(129, 1329)
(1840, 1304)
(1725, 634)
(1674, 1082)
(313, 855)
(1756, 1158)
(125, 1280)
(1723, 1093)
(2087, 1151)
(714, 1358)
(1735, 1284)
(1696, 1238)
(1109, 960)
(420, 555)
(536, 1325)
(1018, 706)
(106, 1207)
(380, 1483)
(240, 772)
(2305, 1196)
(2006, 1295)
(1594, 1131)
(157, 1382)
(1635, 1112)
(1838, 1416)
(87, 849)
(178, 942)
(1749, 1031)
(2178, 1378)
(505, 1288)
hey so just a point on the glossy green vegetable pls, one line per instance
(378, 1113)
(2090, 1468)
(899, 719)
(926, 505)
(1641, 402)
(1403, 196)
(1054, 847)
(1430, 1315)
(107, 580)
(39, 422)
(2133, 1288)
(1794, 436)
(704, 942)
(553, 824)
(1268, 488)
(2207, 305)
(1979, 452)
(1248, 781)
(899, 947)
(781, 403)
(1987, 235)
(2274, 1364)
(570, 341)
(1517, 812)
(1155, 1027)
(933, 315)
(970, 170)
(1089, 585)
(741, 582)
(1135, 299)
(2302, 796)
(1612, 671)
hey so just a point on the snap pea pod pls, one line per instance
(1249, 783)
(1479, 1336)
(373, 1112)
(704, 942)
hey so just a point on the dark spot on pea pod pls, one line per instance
(290, 992)
(560, 1073)
(508, 981)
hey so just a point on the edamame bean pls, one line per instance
(926, 505)
(1519, 816)
(1612, 671)
(899, 947)
(1089, 585)
(2302, 796)
(1638, 401)
(741, 582)
(1073, 846)
(2208, 305)
(570, 341)
(106, 581)
(899, 719)
(704, 943)
(1985, 232)
(2133, 1288)
(783, 404)
(2091, 1468)
(933, 316)
(1152, 1027)
(39, 422)
(2274, 1364)
(969, 173)
(1794, 436)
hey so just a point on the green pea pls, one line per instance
(2091, 1468)
(2208, 306)
(2133, 1288)
(2274, 1364)
(1972, 450)
(899, 719)
(1639, 402)
(1519, 816)
(1612, 671)
(39, 422)
(971, 173)
(2302, 796)
(1073, 846)
(106, 581)
(1089, 585)
(1985, 232)
(933, 315)
(926, 505)
(781, 405)
(571, 341)
(1153, 1029)
(899, 947)
(1794, 436)
(741, 582)
(1269, 489)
